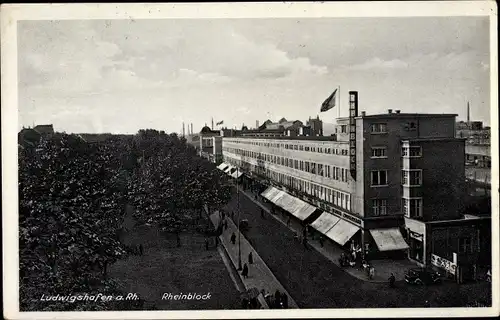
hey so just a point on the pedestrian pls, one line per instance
(141, 249)
(277, 299)
(321, 241)
(206, 244)
(244, 272)
(233, 238)
(285, 301)
(225, 224)
(392, 280)
(371, 272)
(250, 258)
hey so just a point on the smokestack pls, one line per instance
(363, 113)
(212, 123)
(468, 114)
(192, 132)
(183, 130)
(389, 111)
(256, 124)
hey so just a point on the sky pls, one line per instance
(120, 76)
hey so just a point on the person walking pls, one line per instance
(244, 272)
(250, 258)
(371, 272)
(233, 238)
(392, 280)
(262, 213)
(225, 224)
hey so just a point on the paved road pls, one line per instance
(315, 282)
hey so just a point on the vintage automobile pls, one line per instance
(422, 276)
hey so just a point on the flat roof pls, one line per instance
(306, 138)
(403, 115)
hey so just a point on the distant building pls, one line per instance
(45, 129)
(316, 126)
(210, 144)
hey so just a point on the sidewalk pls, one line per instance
(259, 275)
(383, 268)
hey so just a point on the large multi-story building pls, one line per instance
(387, 182)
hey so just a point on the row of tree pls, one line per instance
(72, 199)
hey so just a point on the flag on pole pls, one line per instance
(219, 123)
(329, 102)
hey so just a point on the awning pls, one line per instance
(267, 191)
(325, 222)
(300, 209)
(342, 232)
(222, 166)
(237, 174)
(229, 167)
(389, 239)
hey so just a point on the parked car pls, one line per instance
(422, 276)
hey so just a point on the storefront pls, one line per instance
(416, 246)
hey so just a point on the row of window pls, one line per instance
(324, 170)
(338, 198)
(292, 146)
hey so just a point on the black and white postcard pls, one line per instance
(253, 160)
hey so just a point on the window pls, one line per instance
(464, 245)
(348, 201)
(296, 164)
(379, 178)
(313, 167)
(379, 207)
(320, 169)
(412, 207)
(379, 152)
(343, 128)
(343, 175)
(412, 152)
(412, 178)
(378, 128)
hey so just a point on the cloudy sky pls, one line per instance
(123, 75)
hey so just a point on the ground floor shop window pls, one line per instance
(416, 250)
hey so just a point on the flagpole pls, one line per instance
(338, 111)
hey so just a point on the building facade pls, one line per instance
(393, 181)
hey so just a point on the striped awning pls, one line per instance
(325, 222)
(298, 208)
(389, 239)
(222, 166)
(342, 232)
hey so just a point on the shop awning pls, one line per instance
(267, 191)
(222, 166)
(300, 209)
(237, 174)
(229, 167)
(325, 222)
(342, 232)
(389, 239)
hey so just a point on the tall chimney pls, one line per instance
(389, 111)
(468, 114)
(256, 124)
(212, 123)
(183, 130)
(192, 132)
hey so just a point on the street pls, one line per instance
(315, 282)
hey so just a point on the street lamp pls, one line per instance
(238, 209)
